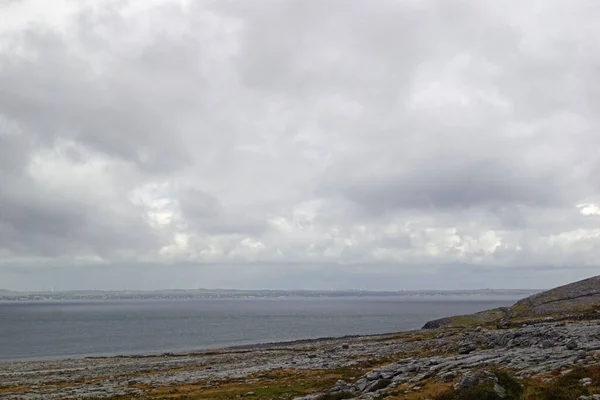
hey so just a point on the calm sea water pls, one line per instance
(52, 330)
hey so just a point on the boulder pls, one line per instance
(586, 381)
(373, 375)
(378, 385)
(476, 378)
(481, 377)
(499, 390)
(362, 384)
(343, 386)
(466, 348)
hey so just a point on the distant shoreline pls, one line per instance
(6, 295)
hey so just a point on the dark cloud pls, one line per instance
(444, 185)
(37, 222)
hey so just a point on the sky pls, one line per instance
(297, 144)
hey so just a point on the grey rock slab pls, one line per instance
(499, 390)
(476, 378)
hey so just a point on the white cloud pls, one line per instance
(589, 209)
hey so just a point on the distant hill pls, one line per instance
(582, 297)
(233, 293)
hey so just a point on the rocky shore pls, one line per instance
(368, 367)
(546, 346)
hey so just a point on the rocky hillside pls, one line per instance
(549, 360)
(575, 299)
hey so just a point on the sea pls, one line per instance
(42, 330)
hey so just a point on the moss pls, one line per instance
(514, 388)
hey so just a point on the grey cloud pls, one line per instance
(386, 137)
(444, 185)
(304, 51)
(58, 95)
(36, 222)
(205, 213)
(510, 216)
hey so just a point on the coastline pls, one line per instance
(412, 360)
(208, 349)
(95, 377)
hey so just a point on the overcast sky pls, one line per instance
(386, 144)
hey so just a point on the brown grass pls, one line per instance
(266, 385)
(4, 389)
(429, 390)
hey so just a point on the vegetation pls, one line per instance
(514, 390)
(567, 386)
(481, 392)
(579, 301)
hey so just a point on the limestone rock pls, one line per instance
(373, 375)
(466, 348)
(476, 378)
(499, 390)
(586, 381)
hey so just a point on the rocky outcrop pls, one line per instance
(574, 298)
(579, 300)
(528, 351)
(481, 377)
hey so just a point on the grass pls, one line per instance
(483, 318)
(273, 384)
(289, 383)
(12, 389)
(565, 387)
(429, 390)
(407, 337)
(514, 388)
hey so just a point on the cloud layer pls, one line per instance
(296, 138)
